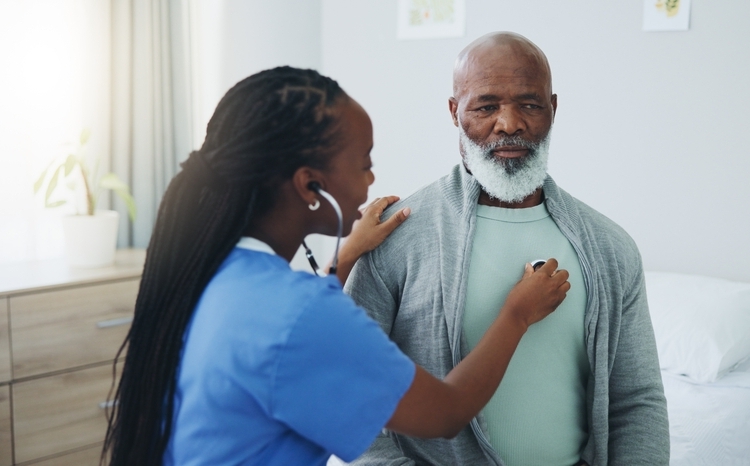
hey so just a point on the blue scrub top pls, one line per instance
(281, 368)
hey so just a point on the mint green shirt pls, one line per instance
(538, 414)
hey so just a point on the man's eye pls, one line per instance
(487, 108)
(531, 106)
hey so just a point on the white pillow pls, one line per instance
(702, 324)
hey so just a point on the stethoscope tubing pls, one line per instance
(308, 252)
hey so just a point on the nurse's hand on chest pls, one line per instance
(368, 233)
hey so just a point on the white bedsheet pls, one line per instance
(709, 423)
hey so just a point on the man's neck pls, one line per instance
(533, 199)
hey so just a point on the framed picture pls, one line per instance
(666, 15)
(427, 19)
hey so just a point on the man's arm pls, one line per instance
(383, 452)
(638, 424)
(370, 292)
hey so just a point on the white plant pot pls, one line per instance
(91, 240)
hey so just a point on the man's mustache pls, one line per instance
(511, 141)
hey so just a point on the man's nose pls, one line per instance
(509, 121)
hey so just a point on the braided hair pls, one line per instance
(265, 128)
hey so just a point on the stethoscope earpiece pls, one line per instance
(314, 186)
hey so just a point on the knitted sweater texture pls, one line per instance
(414, 286)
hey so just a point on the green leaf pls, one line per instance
(129, 203)
(113, 182)
(38, 184)
(70, 163)
(52, 184)
(54, 204)
(40, 181)
(85, 136)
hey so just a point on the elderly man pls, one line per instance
(584, 385)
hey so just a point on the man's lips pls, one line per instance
(510, 152)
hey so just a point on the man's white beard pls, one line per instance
(508, 180)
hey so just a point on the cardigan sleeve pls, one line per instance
(368, 289)
(371, 292)
(638, 424)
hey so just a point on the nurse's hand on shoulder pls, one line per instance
(369, 232)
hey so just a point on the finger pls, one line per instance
(565, 287)
(395, 220)
(549, 267)
(379, 204)
(374, 201)
(562, 275)
(388, 200)
(528, 270)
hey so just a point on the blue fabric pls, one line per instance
(281, 368)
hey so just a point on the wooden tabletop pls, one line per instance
(32, 276)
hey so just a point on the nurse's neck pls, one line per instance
(283, 238)
(284, 227)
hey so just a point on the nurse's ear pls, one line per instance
(307, 181)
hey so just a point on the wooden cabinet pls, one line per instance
(6, 441)
(60, 329)
(55, 330)
(4, 342)
(85, 457)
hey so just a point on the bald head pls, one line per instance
(505, 52)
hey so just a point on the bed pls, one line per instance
(702, 329)
(709, 424)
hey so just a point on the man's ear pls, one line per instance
(554, 106)
(453, 108)
(303, 180)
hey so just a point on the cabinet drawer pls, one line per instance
(68, 328)
(88, 457)
(6, 451)
(60, 413)
(4, 342)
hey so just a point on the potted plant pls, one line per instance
(90, 234)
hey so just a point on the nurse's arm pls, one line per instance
(433, 408)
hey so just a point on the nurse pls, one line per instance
(233, 358)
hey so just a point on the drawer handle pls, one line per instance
(114, 322)
(107, 404)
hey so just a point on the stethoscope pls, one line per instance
(308, 253)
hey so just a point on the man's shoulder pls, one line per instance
(428, 195)
(428, 205)
(598, 227)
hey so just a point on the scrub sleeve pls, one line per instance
(338, 378)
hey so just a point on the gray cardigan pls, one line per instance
(414, 286)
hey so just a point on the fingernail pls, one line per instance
(406, 211)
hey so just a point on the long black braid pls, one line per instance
(263, 130)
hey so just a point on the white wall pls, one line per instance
(237, 38)
(651, 127)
